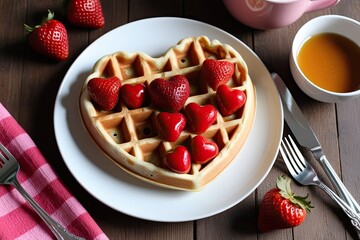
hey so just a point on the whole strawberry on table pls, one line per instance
(280, 208)
(50, 38)
(84, 13)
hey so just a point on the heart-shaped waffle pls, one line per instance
(128, 136)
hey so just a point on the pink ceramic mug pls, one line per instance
(268, 14)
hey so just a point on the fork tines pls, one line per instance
(5, 155)
(290, 150)
(2, 156)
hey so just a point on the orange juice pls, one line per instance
(331, 61)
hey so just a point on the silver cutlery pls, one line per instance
(304, 173)
(306, 138)
(9, 167)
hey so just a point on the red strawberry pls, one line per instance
(49, 38)
(216, 72)
(169, 95)
(178, 160)
(104, 92)
(200, 118)
(228, 100)
(85, 13)
(133, 96)
(170, 125)
(281, 209)
(202, 150)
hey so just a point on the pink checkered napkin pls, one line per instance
(17, 219)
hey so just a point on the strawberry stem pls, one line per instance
(28, 29)
(283, 184)
(49, 16)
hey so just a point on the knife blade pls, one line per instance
(295, 118)
(306, 137)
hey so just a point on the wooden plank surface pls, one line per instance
(29, 84)
(348, 119)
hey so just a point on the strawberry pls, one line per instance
(50, 38)
(199, 118)
(133, 96)
(228, 100)
(280, 208)
(104, 92)
(216, 72)
(203, 150)
(169, 95)
(85, 13)
(170, 125)
(178, 159)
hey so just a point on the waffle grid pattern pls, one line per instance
(128, 137)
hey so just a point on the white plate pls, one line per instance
(124, 193)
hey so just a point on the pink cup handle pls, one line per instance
(320, 4)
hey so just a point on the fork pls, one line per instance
(9, 167)
(305, 174)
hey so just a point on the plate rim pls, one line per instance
(187, 21)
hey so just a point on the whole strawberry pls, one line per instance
(169, 95)
(280, 208)
(49, 38)
(104, 92)
(216, 72)
(85, 13)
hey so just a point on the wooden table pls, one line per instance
(29, 85)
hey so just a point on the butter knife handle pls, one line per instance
(336, 181)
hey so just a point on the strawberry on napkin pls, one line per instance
(17, 219)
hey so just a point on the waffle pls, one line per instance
(128, 137)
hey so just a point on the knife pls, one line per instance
(306, 138)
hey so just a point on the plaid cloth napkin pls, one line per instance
(17, 219)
